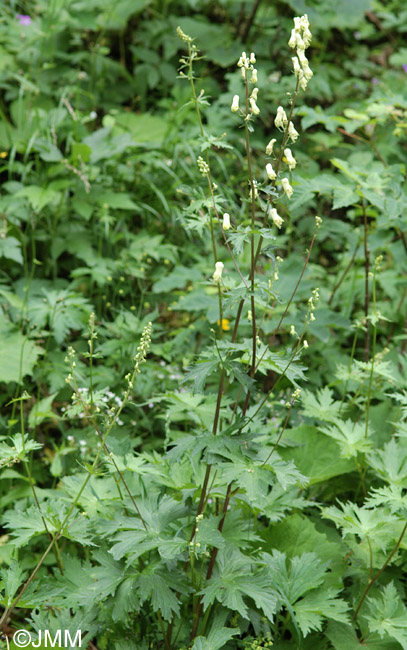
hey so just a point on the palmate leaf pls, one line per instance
(311, 610)
(155, 588)
(301, 574)
(12, 578)
(379, 526)
(387, 615)
(321, 405)
(391, 462)
(215, 640)
(199, 373)
(350, 436)
(237, 580)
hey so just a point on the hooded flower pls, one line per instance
(217, 276)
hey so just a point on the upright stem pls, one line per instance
(367, 265)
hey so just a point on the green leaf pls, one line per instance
(316, 456)
(18, 354)
(42, 410)
(320, 405)
(38, 197)
(10, 248)
(350, 436)
(321, 604)
(387, 615)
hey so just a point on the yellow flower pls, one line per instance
(225, 324)
(3, 154)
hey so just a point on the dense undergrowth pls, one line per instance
(202, 317)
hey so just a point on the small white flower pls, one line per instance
(281, 118)
(305, 343)
(292, 132)
(291, 162)
(300, 45)
(269, 148)
(226, 221)
(254, 94)
(307, 72)
(292, 331)
(252, 57)
(218, 272)
(302, 58)
(277, 220)
(287, 187)
(235, 104)
(254, 76)
(296, 65)
(270, 172)
(303, 80)
(249, 316)
(292, 42)
(253, 106)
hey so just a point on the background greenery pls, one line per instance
(103, 210)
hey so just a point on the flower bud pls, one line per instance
(218, 272)
(270, 172)
(269, 148)
(277, 220)
(252, 57)
(291, 162)
(254, 76)
(254, 94)
(226, 221)
(287, 187)
(235, 104)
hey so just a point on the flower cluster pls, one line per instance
(300, 39)
(203, 166)
(246, 64)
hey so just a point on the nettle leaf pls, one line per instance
(391, 462)
(321, 405)
(350, 436)
(237, 580)
(311, 610)
(387, 615)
